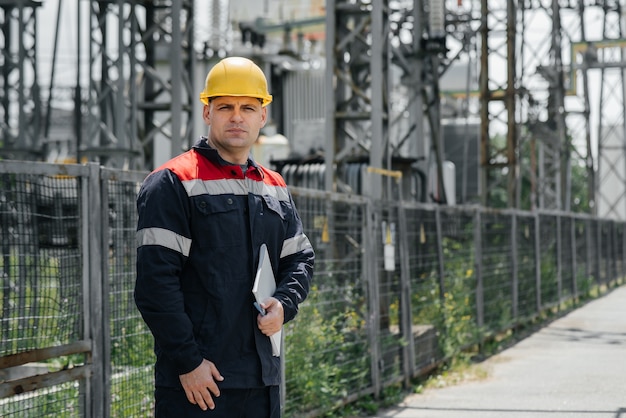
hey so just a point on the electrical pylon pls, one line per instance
(141, 87)
(607, 57)
(382, 65)
(357, 35)
(20, 103)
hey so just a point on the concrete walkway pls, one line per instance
(575, 367)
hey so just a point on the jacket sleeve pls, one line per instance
(163, 243)
(295, 269)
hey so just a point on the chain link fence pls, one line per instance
(398, 287)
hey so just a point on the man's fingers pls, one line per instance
(215, 372)
(269, 326)
(204, 400)
(271, 323)
(213, 388)
(200, 402)
(190, 396)
(216, 377)
(200, 383)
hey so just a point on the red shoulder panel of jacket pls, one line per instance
(193, 166)
(272, 178)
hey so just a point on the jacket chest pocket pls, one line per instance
(273, 219)
(272, 206)
(218, 221)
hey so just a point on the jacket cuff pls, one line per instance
(186, 363)
(289, 310)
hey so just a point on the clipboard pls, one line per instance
(264, 287)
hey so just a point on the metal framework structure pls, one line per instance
(543, 107)
(375, 78)
(20, 105)
(140, 89)
(536, 104)
(140, 86)
(355, 86)
(523, 136)
(555, 63)
(608, 58)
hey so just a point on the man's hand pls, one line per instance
(200, 383)
(272, 322)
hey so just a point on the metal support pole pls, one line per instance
(538, 262)
(478, 267)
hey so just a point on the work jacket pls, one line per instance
(201, 225)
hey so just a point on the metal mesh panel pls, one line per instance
(620, 261)
(459, 301)
(594, 251)
(41, 294)
(497, 273)
(41, 297)
(583, 259)
(606, 251)
(549, 272)
(131, 344)
(526, 265)
(327, 348)
(615, 252)
(389, 332)
(426, 298)
(62, 401)
(567, 257)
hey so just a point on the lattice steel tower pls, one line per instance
(140, 80)
(378, 82)
(20, 108)
(141, 88)
(539, 68)
(554, 65)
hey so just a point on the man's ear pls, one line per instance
(263, 116)
(206, 111)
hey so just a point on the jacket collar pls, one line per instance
(203, 148)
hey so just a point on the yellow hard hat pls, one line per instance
(236, 76)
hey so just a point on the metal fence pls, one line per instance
(398, 287)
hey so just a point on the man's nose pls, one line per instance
(236, 114)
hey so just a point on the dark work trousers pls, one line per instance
(232, 403)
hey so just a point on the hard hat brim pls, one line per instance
(265, 100)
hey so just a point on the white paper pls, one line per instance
(263, 288)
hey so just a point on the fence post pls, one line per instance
(613, 253)
(440, 260)
(559, 261)
(105, 231)
(514, 268)
(405, 294)
(573, 252)
(478, 264)
(538, 262)
(597, 258)
(95, 214)
(588, 250)
(371, 274)
(623, 226)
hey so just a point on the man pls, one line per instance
(203, 217)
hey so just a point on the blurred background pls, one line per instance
(503, 103)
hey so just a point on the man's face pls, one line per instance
(234, 123)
